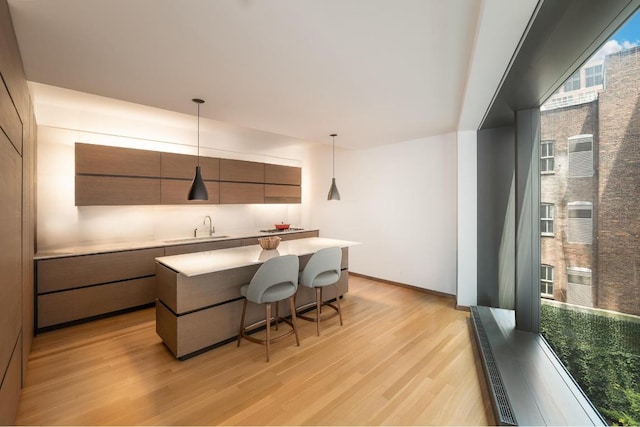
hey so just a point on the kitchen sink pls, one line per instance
(195, 239)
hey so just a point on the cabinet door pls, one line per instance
(240, 192)
(282, 193)
(176, 191)
(241, 171)
(116, 190)
(278, 174)
(102, 160)
(184, 166)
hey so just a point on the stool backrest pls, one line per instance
(279, 270)
(326, 260)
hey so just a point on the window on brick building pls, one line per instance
(546, 219)
(546, 281)
(579, 286)
(580, 156)
(546, 156)
(573, 83)
(593, 75)
(580, 222)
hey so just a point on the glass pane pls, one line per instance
(593, 321)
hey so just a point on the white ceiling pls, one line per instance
(373, 71)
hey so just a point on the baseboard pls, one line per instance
(404, 285)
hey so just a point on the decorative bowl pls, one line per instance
(270, 242)
(282, 226)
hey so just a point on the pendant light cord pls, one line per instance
(334, 155)
(198, 134)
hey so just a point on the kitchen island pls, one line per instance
(198, 295)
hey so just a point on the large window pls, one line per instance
(590, 270)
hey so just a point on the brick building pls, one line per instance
(590, 188)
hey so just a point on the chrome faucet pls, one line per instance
(212, 229)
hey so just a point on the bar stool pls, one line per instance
(275, 281)
(323, 269)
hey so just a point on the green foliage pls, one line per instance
(603, 355)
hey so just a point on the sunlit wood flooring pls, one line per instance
(403, 357)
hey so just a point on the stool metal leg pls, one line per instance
(319, 309)
(268, 327)
(338, 303)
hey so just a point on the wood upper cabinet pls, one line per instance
(241, 171)
(278, 174)
(241, 193)
(175, 192)
(183, 166)
(102, 160)
(111, 176)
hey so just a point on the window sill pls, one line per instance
(528, 384)
(547, 235)
(547, 172)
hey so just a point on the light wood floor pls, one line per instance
(403, 357)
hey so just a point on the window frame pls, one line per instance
(546, 159)
(575, 78)
(595, 76)
(544, 279)
(546, 220)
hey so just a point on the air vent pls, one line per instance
(499, 396)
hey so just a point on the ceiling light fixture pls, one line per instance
(334, 194)
(198, 190)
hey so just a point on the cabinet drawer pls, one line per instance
(67, 306)
(74, 272)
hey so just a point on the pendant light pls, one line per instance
(198, 190)
(334, 194)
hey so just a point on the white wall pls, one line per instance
(399, 201)
(65, 117)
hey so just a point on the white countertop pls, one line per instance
(198, 263)
(91, 249)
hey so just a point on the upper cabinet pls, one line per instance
(125, 176)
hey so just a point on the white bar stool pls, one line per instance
(275, 280)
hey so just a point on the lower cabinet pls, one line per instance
(78, 288)
(81, 287)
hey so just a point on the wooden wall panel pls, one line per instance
(9, 119)
(176, 191)
(72, 272)
(282, 193)
(241, 171)
(10, 250)
(67, 306)
(278, 174)
(184, 166)
(10, 387)
(17, 214)
(240, 192)
(103, 160)
(115, 191)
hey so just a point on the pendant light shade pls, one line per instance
(198, 190)
(334, 194)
